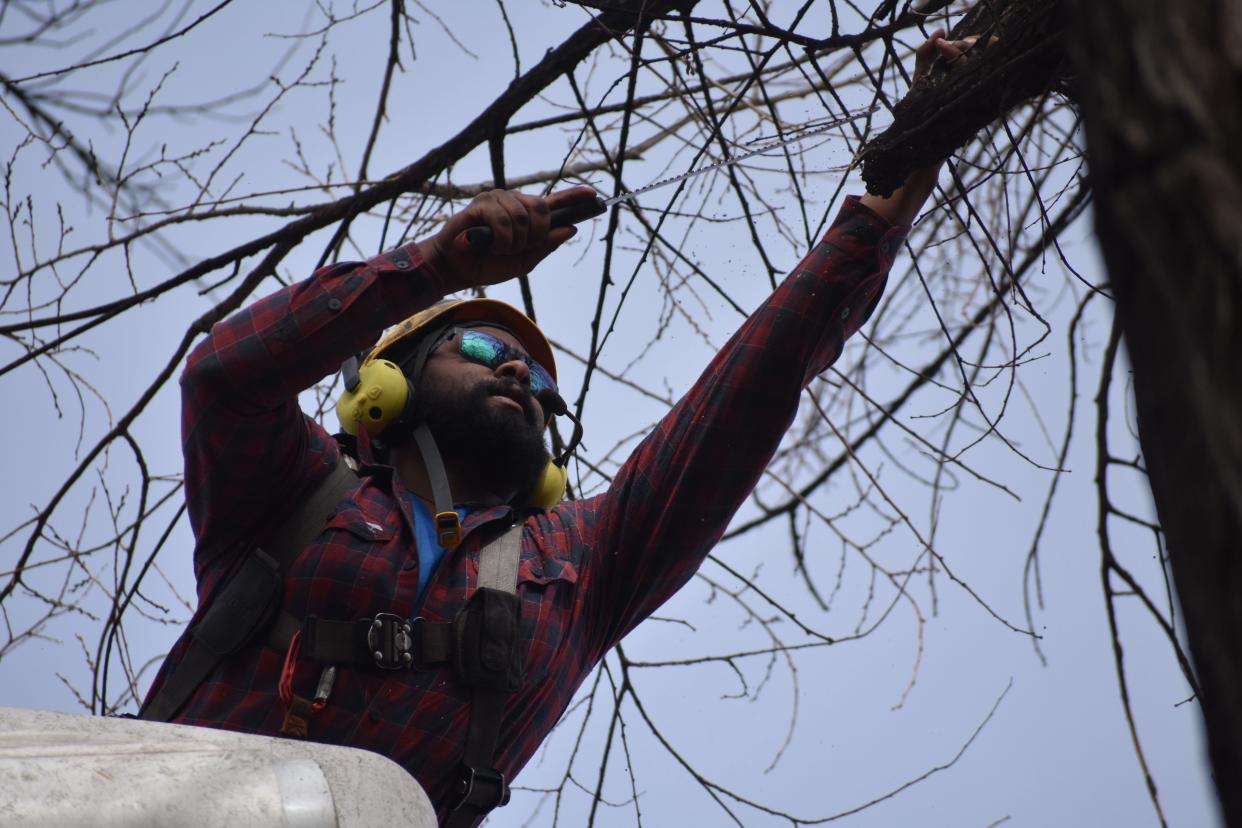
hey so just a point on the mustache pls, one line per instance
(513, 389)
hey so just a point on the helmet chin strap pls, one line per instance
(448, 523)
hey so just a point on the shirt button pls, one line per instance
(845, 312)
(334, 304)
(402, 264)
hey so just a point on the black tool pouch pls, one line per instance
(485, 635)
(243, 605)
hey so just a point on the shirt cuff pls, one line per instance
(865, 226)
(405, 279)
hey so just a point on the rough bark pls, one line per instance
(946, 111)
(1160, 90)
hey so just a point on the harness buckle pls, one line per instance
(390, 640)
(482, 789)
(448, 529)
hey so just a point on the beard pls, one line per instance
(505, 451)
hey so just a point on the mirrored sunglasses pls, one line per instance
(487, 350)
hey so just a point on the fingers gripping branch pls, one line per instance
(957, 95)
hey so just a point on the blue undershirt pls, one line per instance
(430, 552)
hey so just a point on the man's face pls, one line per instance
(485, 417)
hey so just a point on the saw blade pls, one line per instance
(800, 135)
(480, 237)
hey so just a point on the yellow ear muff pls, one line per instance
(550, 488)
(380, 398)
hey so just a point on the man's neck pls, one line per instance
(464, 485)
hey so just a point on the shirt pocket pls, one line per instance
(547, 590)
(364, 527)
(354, 568)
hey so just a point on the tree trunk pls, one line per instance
(1161, 93)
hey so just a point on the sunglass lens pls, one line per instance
(481, 348)
(540, 379)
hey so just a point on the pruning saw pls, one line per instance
(580, 211)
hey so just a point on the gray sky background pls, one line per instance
(1056, 751)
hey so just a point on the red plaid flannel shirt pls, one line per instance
(590, 569)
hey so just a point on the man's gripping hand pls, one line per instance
(904, 204)
(521, 237)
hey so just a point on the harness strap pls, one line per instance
(356, 642)
(195, 665)
(480, 787)
(498, 561)
(244, 603)
(311, 516)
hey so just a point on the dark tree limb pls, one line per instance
(947, 109)
(555, 63)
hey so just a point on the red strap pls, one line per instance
(285, 685)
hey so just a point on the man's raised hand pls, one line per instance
(521, 237)
(907, 201)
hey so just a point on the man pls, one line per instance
(452, 467)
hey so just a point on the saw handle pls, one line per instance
(480, 238)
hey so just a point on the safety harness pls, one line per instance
(480, 642)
